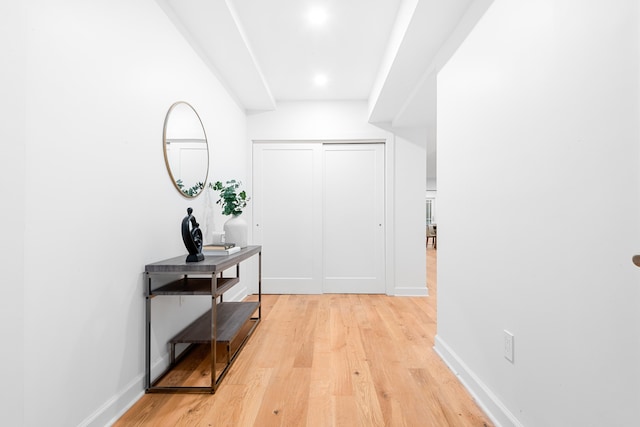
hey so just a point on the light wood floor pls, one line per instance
(329, 360)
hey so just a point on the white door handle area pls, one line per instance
(636, 260)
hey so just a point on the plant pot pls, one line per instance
(235, 231)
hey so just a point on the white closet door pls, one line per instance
(287, 214)
(353, 229)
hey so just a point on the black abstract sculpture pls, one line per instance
(192, 237)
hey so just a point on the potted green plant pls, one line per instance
(233, 200)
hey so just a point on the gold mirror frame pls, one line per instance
(188, 136)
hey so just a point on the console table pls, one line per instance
(225, 323)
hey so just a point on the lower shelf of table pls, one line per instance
(231, 317)
(191, 370)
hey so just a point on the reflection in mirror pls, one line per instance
(186, 152)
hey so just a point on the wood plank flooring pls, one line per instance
(329, 360)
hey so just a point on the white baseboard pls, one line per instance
(114, 408)
(237, 294)
(110, 411)
(484, 397)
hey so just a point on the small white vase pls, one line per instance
(235, 231)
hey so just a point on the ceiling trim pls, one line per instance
(431, 37)
(227, 52)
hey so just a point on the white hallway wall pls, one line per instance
(539, 212)
(93, 82)
(410, 211)
(13, 30)
(406, 160)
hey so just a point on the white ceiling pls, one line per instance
(382, 51)
(347, 48)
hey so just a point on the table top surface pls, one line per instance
(210, 264)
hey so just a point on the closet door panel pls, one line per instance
(353, 229)
(287, 216)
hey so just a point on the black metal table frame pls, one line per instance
(214, 266)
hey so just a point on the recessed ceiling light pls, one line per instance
(320, 80)
(317, 16)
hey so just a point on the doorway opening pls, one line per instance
(431, 233)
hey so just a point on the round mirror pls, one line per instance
(186, 152)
